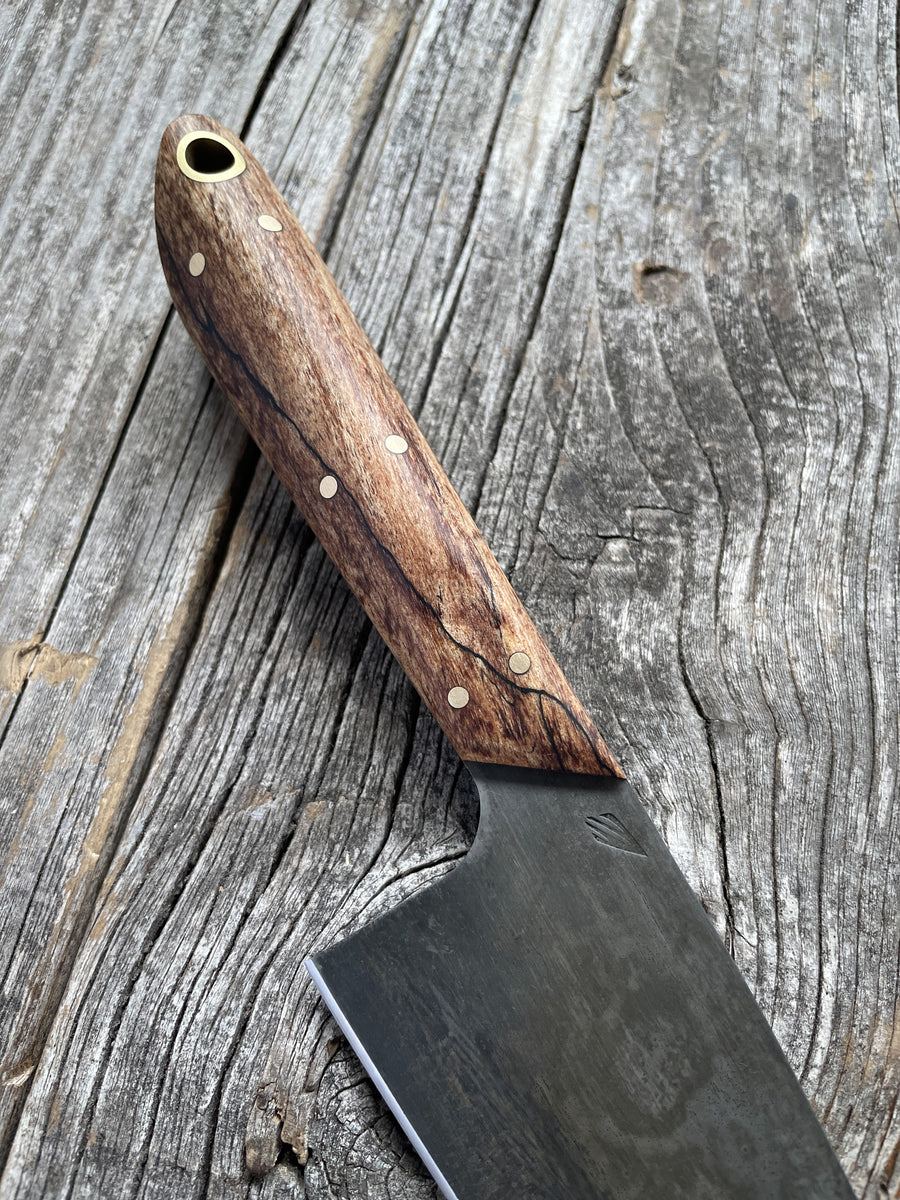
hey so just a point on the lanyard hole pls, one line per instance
(209, 158)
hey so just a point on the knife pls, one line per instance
(556, 1017)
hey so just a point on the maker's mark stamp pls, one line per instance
(609, 830)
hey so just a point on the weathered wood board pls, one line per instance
(634, 268)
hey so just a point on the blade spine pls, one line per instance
(378, 1079)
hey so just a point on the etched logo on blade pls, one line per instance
(611, 832)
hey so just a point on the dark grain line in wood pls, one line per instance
(90, 221)
(276, 61)
(467, 223)
(80, 867)
(543, 280)
(380, 91)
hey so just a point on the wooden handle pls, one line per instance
(286, 349)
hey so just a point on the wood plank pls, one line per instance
(90, 87)
(644, 310)
(89, 702)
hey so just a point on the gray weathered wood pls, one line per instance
(635, 270)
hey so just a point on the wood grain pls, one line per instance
(283, 344)
(634, 270)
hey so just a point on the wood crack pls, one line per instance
(277, 58)
(543, 280)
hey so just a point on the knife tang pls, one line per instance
(285, 348)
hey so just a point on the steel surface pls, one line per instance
(558, 1018)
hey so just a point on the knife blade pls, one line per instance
(557, 1016)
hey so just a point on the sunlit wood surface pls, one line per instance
(634, 267)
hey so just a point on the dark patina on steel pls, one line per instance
(558, 1018)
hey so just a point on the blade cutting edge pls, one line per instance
(378, 1079)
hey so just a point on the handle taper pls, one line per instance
(287, 351)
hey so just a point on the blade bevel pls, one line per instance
(378, 1079)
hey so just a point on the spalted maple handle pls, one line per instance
(286, 349)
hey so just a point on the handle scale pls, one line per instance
(284, 346)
